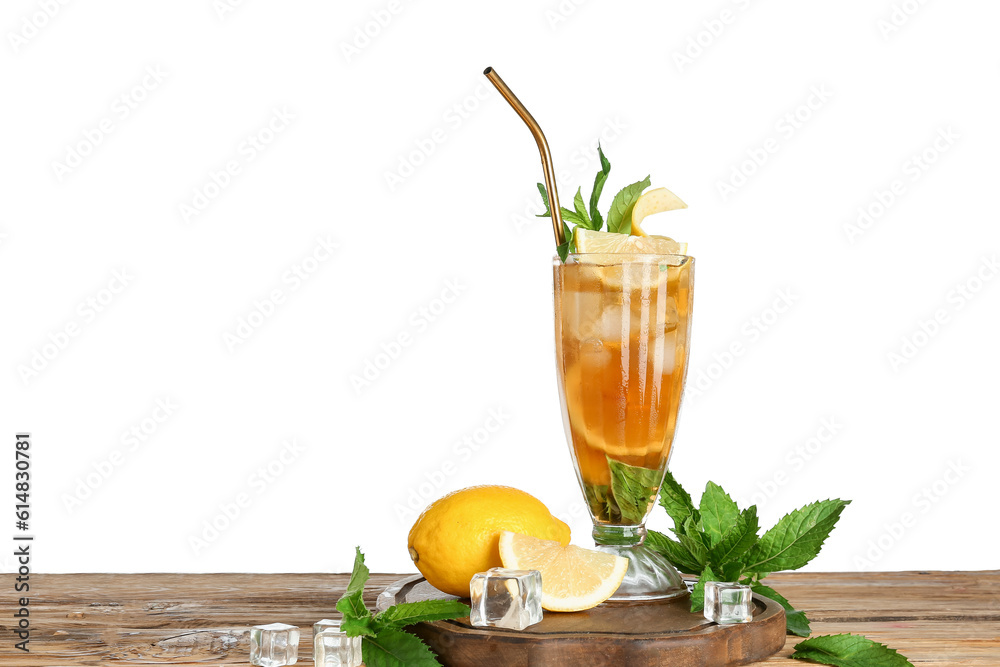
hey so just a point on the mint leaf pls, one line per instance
(581, 210)
(595, 194)
(545, 200)
(698, 594)
(795, 539)
(676, 501)
(736, 541)
(675, 552)
(719, 513)
(620, 215)
(569, 246)
(407, 613)
(352, 607)
(601, 503)
(564, 249)
(848, 651)
(796, 622)
(351, 603)
(692, 527)
(359, 575)
(395, 648)
(691, 539)
(730, 571)
(567, 215)
(633, 488)
(574, 217)
(358, 627)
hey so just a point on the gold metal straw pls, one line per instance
(543, 148)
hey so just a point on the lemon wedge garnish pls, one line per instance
(657, 200)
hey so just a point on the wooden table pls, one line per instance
(934, 618)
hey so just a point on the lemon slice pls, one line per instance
(588, 241)
(573, 578)
(682, 248)
(657, 200)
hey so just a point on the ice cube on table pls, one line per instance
(728, 602)
(274, 645)
(325, 624)
(332, 648)
(504, 598)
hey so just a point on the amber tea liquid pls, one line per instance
(622, 329)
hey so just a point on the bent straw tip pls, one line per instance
(487, 70)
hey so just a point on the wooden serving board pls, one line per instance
(636, 634)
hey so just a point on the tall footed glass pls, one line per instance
(622, 328)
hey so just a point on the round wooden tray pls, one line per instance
(636, 634)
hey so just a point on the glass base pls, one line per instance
(650, 576)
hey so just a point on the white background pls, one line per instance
(914, 439)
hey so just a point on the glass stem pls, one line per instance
(628, 536)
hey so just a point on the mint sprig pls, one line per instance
(619, 217)
(383, 641)
(848, 650)
(568, 246)
(721, 542)
(351, 604)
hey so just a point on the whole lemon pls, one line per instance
(459, 535)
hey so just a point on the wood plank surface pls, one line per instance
(934, 618)
(637, 634)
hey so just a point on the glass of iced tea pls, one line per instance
(623, 323)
